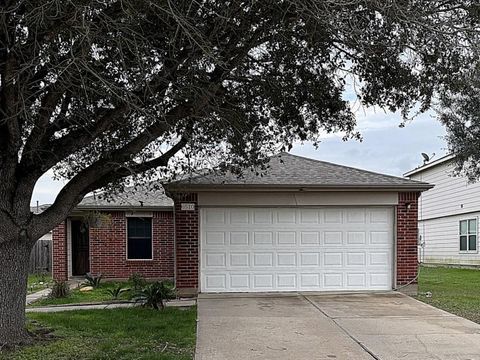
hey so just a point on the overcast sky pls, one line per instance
(385, 148)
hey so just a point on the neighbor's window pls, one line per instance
(468, 235)
(139, 238)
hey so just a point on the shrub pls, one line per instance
(60, 289)
(155, 295)
(116, 292)
(137, 280)
(93, 281)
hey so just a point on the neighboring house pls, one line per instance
(37, 210)
(305, 225)
(448, 215)
(41, 254)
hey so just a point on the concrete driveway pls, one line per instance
(353, 327)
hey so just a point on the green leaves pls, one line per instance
(92, 280)
(154, 295)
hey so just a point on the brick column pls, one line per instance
(186, 245)
(407, 233)
(60, 260)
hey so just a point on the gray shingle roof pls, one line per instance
(286, 170)
(39, 209)
(143, 196)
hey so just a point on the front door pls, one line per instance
(80, 248)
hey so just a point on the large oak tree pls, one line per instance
(102, 90)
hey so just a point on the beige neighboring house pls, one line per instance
(448, 215)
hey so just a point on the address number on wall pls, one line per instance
(187, 206)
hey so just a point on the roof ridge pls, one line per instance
(348, 167)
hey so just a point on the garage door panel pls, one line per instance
(333, 237)
(215, 238)
(263, 238)
(287, 281)
(240, 281)
(287, 259)
(309, 238)
(309, 216)
(288, 249)
(356, 280)
(239, 216)
(238, 238)
(355, 216)
(238, 259)
(286, 216)
(333, 216)
(380, 238)
(286, 238)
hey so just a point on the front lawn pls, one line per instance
(133, 333)
(454, 290)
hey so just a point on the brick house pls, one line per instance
(302, 225)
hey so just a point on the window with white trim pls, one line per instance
(468, 235)
(139, 238)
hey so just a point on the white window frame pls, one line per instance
(126, 236)
(468, 234)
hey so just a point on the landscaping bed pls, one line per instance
(454, 290)
(132, 333)
(95, 291)
(97, 295)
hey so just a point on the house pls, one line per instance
(447, 215)
(37, 210)
(303, 225)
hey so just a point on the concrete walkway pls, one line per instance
(74, 307)
(37, 296)
(307, 326)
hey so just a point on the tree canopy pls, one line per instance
(460, 113)
(101, 90)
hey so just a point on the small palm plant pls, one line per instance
(60, 289)
(155, 295)
(116, 292)
(93, 281)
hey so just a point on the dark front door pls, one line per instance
(80, 248)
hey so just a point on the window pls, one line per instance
(139, 238)
(468, 235)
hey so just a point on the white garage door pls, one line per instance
(292, 249)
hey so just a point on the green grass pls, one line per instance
(37, 282)
(133, 333)
(99, 294)
(454, 290)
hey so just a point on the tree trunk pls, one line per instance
(14, 259)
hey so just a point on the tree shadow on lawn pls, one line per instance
(132, 333)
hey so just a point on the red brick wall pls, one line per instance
(187, 237)
(59, 243)
(108, 246)
(108, 249)
(407, 232)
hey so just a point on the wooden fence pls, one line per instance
(41, 257)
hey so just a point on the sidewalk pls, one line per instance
(45, 292)
(36, 296)
(73, 307)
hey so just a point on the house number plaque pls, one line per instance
(187, 207)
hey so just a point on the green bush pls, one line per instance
(60, 289)
(93, 281)
(155, 295)
(116, 292)
(138, 281)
